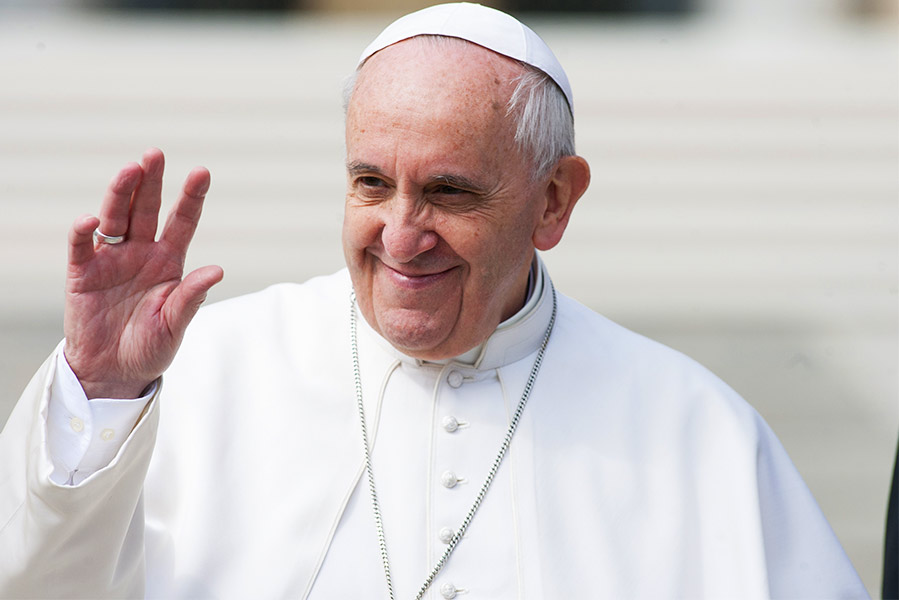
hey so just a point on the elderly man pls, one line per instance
(434, 421)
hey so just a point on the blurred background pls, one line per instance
(743, 209)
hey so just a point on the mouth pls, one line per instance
(412, 279)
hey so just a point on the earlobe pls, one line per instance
(568, 183)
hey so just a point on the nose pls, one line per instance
(408, 229)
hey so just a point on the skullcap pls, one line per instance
(487, 27)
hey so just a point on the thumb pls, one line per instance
(185, 300)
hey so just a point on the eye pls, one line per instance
(448, 190)
(371, 187)
(452, 199)
(371, 182)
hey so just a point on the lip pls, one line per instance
(414, 281)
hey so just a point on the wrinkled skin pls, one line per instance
(127, 305)
(442, 216)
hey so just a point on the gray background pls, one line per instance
(743, 207)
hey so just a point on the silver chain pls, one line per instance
(376, 505)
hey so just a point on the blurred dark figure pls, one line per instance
(891, 545)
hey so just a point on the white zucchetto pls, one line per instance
(487, 27)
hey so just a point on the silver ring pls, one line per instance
(102, 238)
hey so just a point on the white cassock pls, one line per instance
(634, 472)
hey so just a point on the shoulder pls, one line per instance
(591, 338)
(640, 384)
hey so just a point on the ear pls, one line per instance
(564, 188)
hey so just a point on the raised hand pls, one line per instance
(127, 305)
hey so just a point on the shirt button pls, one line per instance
(76, 424)
(454, 379)
(445, 535)
(450, 423)
(449, 479)
(448, 591)
(107, 434)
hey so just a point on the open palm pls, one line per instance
(128, 304)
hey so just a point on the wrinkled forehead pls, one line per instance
(439, 101)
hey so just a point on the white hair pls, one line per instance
(544, 124)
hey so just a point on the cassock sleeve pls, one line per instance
(85, 435)
(83, 540)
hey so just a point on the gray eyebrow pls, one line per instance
(356, 167)
(459, 182)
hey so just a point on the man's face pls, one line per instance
(440, 207)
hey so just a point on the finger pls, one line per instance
(117, 201)
(185, 300)
(81, 243)
(144, 215)
(183, 218)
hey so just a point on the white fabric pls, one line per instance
(634, 473)
(487, 27)
(84, 435)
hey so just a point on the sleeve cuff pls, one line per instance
(84, 435)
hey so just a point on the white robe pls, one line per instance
(634, 473)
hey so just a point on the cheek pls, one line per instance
(486, 257)
(466, 239)
(353, 238)
(498, 256)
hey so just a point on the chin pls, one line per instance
(414, 332)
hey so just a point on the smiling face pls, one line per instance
(440, 207)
